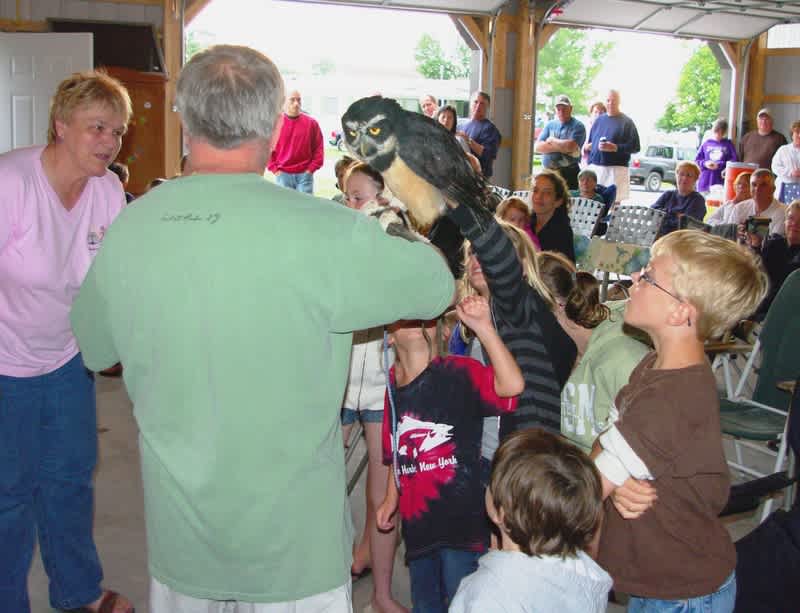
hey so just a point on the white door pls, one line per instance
(31, 67)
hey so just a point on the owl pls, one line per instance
(421, 163)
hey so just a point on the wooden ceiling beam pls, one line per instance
(192, 9)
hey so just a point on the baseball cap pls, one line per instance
(563, 99)
(764, 111)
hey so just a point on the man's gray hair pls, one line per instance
(763, 172)
(228, 95)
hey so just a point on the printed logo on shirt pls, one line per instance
(426, 462)
(95, 237)
(417, 436)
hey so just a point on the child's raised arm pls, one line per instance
(475, 313)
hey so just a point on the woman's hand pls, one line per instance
(633, 498)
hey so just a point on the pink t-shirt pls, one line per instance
(45, 253)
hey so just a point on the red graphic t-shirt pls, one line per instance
(439, 426)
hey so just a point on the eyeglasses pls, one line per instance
(645, 276)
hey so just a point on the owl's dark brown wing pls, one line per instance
(434, 154)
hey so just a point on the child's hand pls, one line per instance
(385, 513)
(475, 313)
(633, 498)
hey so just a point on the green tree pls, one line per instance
(568, 64)
(696, 103)
(194, 42)
(433, 63)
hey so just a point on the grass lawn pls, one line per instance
(324, 178)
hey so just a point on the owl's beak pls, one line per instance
(367, 149)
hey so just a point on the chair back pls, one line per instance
(500, 191)
(636, 225)
(789, 192)
(793, 435)
(780, 340)
(524, 194)
(584, 215)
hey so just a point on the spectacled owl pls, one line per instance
(421, 162)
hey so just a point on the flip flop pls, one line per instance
(107, 602)
(365, 572)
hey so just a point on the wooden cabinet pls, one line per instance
(143, 145)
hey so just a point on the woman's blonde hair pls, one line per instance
(578, 291)
(513, 203)
(688, 165)
(743, 178)
(720, 278)
(84, 89)
(526, 253)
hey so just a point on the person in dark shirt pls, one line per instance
(780, 255)
(550, 219)
(681, 201)
(480, 134)
(431, 436)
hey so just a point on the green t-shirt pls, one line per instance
(587, 399)
(231, 303)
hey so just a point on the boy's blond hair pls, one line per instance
(720, 278)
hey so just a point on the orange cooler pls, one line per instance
(733, 170)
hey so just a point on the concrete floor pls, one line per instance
(119, 520)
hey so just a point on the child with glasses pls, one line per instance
(677, 554)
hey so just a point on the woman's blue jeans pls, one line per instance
(721, 601)
(48, 452)
(435, 578)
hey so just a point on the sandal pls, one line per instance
(107, 602)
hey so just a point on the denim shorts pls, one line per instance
(351, 416)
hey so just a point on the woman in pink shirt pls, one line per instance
(56, 205)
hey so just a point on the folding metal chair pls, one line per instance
(500, 191)
(631, 231)
(752, 422)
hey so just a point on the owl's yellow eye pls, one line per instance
(352, 133)
(374, 131)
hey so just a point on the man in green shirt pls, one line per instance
(231, 302)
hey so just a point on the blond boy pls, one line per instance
(695, 287)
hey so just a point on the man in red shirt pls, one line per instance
(299, 152)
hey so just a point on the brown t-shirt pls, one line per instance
(757, 149)
(679, 548)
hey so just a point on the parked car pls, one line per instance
(658, 164)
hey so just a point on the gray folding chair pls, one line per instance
(633, 226)
(584, 215)
(500, 191)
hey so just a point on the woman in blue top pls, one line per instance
(682, 201)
